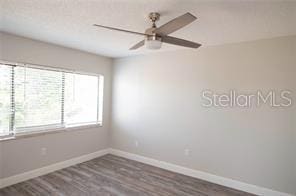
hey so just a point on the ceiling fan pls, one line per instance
(154, 36)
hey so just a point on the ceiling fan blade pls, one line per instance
(179, 42)
(138, 45)
(122, 30)
(175, 24)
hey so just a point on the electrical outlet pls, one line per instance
(186, 152)
(43, 151)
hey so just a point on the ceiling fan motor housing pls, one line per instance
(153, 41)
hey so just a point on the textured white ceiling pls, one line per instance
(69, 22)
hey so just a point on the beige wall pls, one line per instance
(157, 102)
(25, 154)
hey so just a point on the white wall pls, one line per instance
(294, 155)
(294, 120)
(157, 101)
(25, 154)
(0, 162)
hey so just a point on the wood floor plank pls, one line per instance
(111, 175)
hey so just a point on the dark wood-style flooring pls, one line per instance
(113, 175)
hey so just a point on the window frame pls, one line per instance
(52, 128)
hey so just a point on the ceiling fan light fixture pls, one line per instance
(153, 43)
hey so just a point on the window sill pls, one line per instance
(49, 131)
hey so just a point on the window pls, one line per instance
(81, 103)
(37, 98)
(5, 99)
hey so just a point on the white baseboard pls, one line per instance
(161, 164)
(50, 168)
(201, 175)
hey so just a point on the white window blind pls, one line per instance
(5, 98)
(36, 98)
